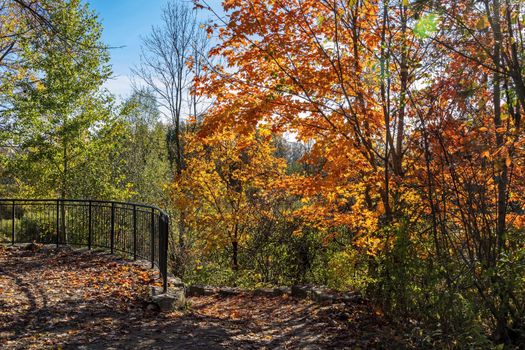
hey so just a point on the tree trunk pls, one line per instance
(500, 179)
(235, 252)
(64, 194)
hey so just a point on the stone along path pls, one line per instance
(63, 299)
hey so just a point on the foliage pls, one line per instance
(220, 189)
(144, 149)
(59, 119)
(412, 113)
(367, 145)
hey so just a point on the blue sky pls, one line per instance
(125, 21)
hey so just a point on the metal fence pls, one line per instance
(136, 231)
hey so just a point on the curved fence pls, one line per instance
(133, 230)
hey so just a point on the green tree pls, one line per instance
(145, 151)
(61, 118)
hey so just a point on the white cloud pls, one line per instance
(120, 86)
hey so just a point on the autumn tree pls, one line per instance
(413, 110)
(345, 89)
(227, 175)
(470, 124)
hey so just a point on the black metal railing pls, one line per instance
(134, 230)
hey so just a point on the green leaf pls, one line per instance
(320, 20)
(426, 25)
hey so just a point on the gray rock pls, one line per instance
(198, 290)
(173, 300)
(195, 290)
(320, 296)
(82, 250)
(264, 292)
(64, 248)
(280, 291)
(301, 292)
(175, 282)
(32, 247)
(351, 298)
(228, 292)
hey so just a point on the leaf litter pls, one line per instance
(65, 299)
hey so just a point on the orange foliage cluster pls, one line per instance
(398, 105)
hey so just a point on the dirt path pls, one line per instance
(82, 300)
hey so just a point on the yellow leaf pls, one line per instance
(482, 23)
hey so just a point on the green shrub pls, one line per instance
(34, 230)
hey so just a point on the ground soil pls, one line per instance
(65, 299)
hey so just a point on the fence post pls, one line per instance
(160, 247)
(112, 228)
(90, 227)
(164, 250)
(152, 243)
(13, 217)
(58, 222)
(134, 232)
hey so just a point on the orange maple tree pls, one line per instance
(344, 88)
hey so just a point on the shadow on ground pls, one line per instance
(82, 300)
